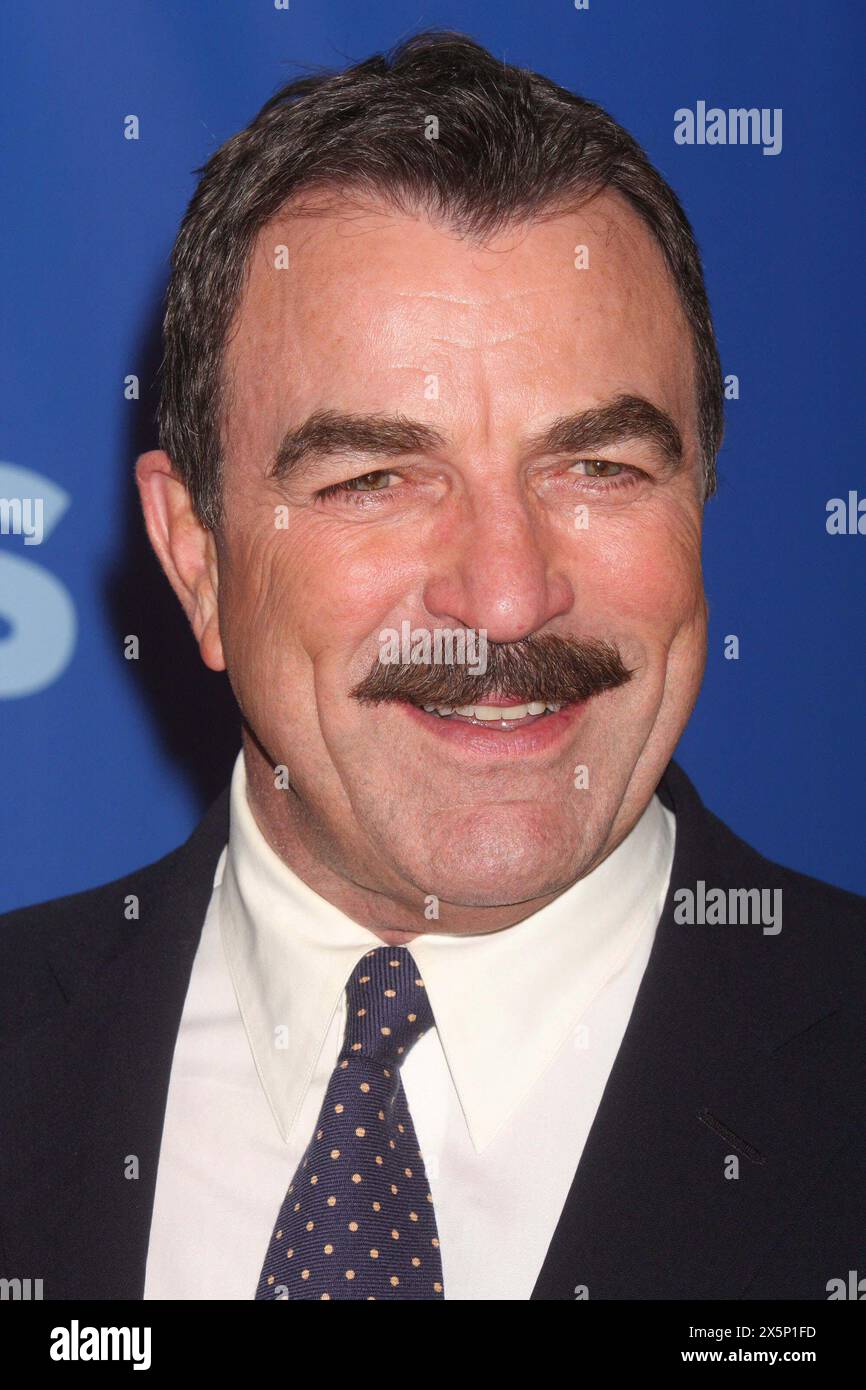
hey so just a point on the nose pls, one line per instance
(498, 571)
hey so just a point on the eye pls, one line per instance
(597, 468)
(606, 476)
(365, 483)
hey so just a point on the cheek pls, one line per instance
(644, 571)
(289, 598)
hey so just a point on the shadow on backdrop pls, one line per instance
(192, 708)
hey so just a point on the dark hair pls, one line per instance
(511, 145)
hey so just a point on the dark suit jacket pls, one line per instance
(740, 1044)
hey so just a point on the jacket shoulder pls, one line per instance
(808, 895)
(816, 915)
(47, 948)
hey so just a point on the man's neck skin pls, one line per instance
(393, 912)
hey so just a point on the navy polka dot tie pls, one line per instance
(358, 1219)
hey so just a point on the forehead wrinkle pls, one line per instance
(486, 342)
(474, 300)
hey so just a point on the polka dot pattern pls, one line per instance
(357, 1221)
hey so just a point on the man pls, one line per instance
(459, 991)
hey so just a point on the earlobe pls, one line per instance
(205, 621)
(184, 547)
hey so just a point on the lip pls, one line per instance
(491, 745)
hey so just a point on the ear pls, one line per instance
(185, 548)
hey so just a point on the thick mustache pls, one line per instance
(544, 667)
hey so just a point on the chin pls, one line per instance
(505, 855)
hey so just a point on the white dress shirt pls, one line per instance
(502, 1092)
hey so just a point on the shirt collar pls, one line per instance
(504, 1002)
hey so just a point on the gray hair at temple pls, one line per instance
(512, 146)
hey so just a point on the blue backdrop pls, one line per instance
(107, 763)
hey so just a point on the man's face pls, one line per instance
(378, 314)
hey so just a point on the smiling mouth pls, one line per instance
(503, 716)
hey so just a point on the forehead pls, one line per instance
(360, 308)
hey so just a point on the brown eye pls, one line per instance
(363, 486)
(368, 482)
(597, 468)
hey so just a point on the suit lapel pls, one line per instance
(77, 1211)
(722, 1056)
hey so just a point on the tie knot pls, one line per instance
(387, 1008)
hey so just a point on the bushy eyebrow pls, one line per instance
(334, 432)
(612, 422)
(328, 432)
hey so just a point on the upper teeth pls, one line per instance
(495, 711)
